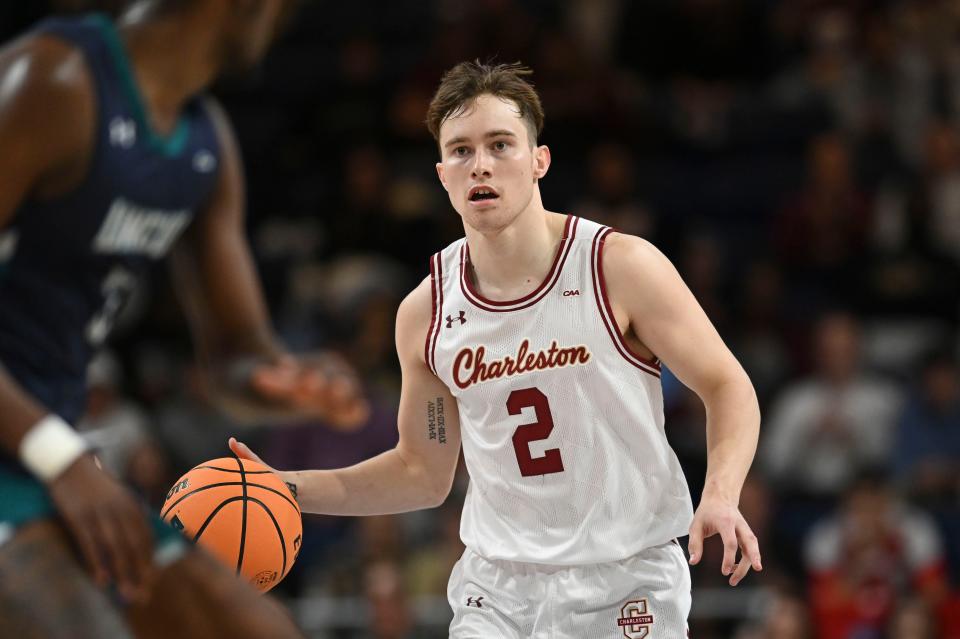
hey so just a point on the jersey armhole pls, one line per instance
(436, 307)
(650, 366)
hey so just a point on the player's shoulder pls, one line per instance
(41, 67)
(637, 274)
(416, 309)
(628, 253)
(46, 95)
(413, 320)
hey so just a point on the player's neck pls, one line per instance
(167, 76)
(513, 261)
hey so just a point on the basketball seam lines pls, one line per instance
(276, 524)
(163, 515)
(213, 514)
(230, 470)
(243, 521)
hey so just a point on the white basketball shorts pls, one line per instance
(646, 596)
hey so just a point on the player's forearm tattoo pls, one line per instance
(436, 422)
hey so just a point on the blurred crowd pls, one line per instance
(798, 160)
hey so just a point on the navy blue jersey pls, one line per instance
(67, 265)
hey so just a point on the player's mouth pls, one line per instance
(482, 195)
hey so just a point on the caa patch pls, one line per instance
(635, 619)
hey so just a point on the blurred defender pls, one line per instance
(109, 152)
(537, 340)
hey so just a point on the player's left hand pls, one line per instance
(717, 515)
(322, 386)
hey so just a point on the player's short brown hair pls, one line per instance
(464, 82)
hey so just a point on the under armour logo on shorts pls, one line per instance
(475, 601)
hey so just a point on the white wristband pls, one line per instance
(50, 447)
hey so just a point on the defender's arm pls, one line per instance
(253, 376)
(214, 270)
(46, 131)
(419, 472)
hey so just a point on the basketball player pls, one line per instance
(537, 343)
(109, 152)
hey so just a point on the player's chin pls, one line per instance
(490, 220)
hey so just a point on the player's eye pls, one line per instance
(500, 145)
(460, 151)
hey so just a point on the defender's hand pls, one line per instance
(108, 525)
(716, 515)
(322, 386)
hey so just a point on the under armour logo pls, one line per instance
(475, 601)
(451, 319)
(123, 132)
(204, 162)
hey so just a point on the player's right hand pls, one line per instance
(108, 525)
(243, 451)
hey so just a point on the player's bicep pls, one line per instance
(428, 419)
(664, 314)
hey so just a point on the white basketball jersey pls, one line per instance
(562, 424)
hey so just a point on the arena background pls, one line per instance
(797, 160)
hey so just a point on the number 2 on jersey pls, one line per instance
(117, 288)
(538, 430)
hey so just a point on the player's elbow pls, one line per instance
(429, 479)
(439, 493)
(437, 486)
(730, 379)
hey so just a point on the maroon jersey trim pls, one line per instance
(436, 302)
(566, 242)
(651, 366)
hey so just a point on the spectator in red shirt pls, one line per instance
(869, 557)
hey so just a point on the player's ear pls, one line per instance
(541, 161)
(440, 175)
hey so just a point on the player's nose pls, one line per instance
(481, 164)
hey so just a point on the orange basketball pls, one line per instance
(241, 512)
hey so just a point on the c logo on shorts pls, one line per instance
(635, 620)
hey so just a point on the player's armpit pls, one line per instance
(653, 305)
